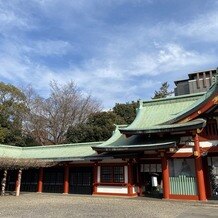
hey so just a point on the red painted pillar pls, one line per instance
(66, 179)
(199, 170)
(40, 180)
(95, 182)
(130, 187)
(165, 175)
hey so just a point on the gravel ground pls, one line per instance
(57, 205)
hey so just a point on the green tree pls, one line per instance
(126, 111)
(99, 127)
(163, 92)
(12, 108)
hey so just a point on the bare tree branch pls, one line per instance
(48, 120)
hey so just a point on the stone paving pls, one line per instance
(58, 205)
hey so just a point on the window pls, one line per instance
(118, 174)
(150, 168)
(112, 174)
(182, 177)
(182, 167)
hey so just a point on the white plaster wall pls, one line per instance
(203, 144)
(185, 150)
(209, 143)
(112, 189)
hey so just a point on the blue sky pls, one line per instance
(116, 50)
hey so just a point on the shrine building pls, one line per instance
(169, 151)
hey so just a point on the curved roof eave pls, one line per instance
(143, 147)
(192, 125)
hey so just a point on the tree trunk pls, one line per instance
(3, 183)
(18, 183)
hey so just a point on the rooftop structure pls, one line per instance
(199, 81)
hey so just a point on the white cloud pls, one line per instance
(48, 47)
(21, 71)
(115, 61)
(12, 69)
(200, 28)
(173, 57)
(203, 28)
(162, 59)
(9, 18)
(13, 17)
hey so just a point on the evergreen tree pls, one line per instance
(99, 127)
(12, 108)
(163, 92)
(126, 111)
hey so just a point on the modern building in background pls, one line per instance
(197, 82)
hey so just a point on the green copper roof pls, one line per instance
(140, 141)
(10, 151)
(119, 142)
(191, 125)
(155, 112)
(54, 152)
(161, 115)
(210, 94)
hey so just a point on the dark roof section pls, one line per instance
(145, 147)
